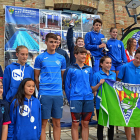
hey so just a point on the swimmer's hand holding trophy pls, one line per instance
(104, 40)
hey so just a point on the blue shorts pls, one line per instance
(96, 65)
(79, 106)
(51, 106)
(115, 68)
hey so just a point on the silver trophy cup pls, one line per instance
(73, 17)
(104, 40)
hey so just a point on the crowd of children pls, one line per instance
(54, 72)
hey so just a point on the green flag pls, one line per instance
(120, 104)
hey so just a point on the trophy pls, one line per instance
(104, 40)
(73, 17)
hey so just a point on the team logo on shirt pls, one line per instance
(57, 62)
(25, 111)
(45, 57)
(2, 110)
(86, 71)
(119, 45)
(17, 74)
(72, 107)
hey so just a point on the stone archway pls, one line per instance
(89, 6)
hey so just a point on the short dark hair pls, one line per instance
(103, 59)
(97, 20)
(112, 28)
(137, 51)
(79, 50)
(79, 38)
(50, 35)
(139, 42)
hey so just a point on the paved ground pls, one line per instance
(66, 134)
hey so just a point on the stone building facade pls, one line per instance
(112, 12)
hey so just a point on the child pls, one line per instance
(25, 113)
(4, 116)
(79, 93)
(15, 73)
(131, 48)
(93, 43)
(79, 43)
(116, 51)
(98, 78)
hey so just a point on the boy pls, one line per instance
(50, 67)
(61, 51)
(130, 73)
(78, 82)
(79, 42)
(94, 45)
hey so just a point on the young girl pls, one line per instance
(15, 73)
(98, 78)
(131, 48)
(4, 115)
(25, 113)
(116, 51)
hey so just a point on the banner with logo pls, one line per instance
(28, 26)
(120, 104)
(21, 28)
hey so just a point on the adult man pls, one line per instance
(130, 73)
(50, 66)
(93, 43)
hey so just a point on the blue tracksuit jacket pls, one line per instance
(25, 124)
(116, 51)
(92, 42)
(78, 82)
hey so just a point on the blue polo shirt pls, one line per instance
(96, 79)
(129, 73)
(50, 66)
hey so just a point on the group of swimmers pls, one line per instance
(54, 72)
